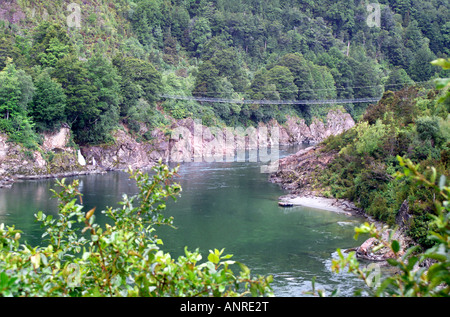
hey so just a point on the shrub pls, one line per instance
(369, 137)
(414, 278)
(123, 258)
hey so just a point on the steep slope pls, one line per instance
(359, 165)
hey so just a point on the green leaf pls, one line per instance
(444, 63)
(395, 245)
(433, 174)
(442, 82)
(227, 256)
(212, 257)
(411, 262)
(436, 256)
(3, 280)
(392, 262)
(244, 268)
(35, 260)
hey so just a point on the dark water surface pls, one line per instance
(223, 205)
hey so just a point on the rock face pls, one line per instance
(10, 11)
(296, 131)
(403, 216)
(56, 141)
(191, 141)
(187, 140)
(54, 158)
(295, 171)
(126, 151)
(371, 250)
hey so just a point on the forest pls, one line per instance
(113, 67)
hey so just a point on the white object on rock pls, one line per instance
(81, 159)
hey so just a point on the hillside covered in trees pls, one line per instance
(96, 64)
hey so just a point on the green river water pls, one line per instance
(223, 205)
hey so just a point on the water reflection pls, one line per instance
(223, 205)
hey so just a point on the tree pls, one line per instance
(283, 80)
(398, 79)
(139, 79)
(299, 68)
(207, 82)
(227, 61)
(366, 78)
(10, 93)
(179, 22)
(148, 22)
(421, 68)
(446, 37)
(48, 106)
(201, 33)
(55, 51)
(432, 281)
(16, 91)
(7, 49)
(81, 107)
(50, 44)
(262, 88)
(104, 78)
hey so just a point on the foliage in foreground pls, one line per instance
(420, 273)
(415, 279)
(123, 258)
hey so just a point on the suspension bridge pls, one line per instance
(298, 102)
(273, 102)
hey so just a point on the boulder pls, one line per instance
(371, 250)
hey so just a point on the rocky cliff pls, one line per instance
(54, 158)
(185, 140)
(295, 172)
(295, 130)
(189, 140)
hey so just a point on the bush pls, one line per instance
(369, 137)
(414, 278)
(428, 129)
(121, 259)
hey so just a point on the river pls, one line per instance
(223, 205)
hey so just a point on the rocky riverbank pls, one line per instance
(296, 174)
(317, 202)
(54, 158)
(184, 140)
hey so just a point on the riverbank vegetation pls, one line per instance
(419, 273)
(79, 258)
(414, 129)
(411, 123)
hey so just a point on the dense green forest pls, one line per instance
(115, 63)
